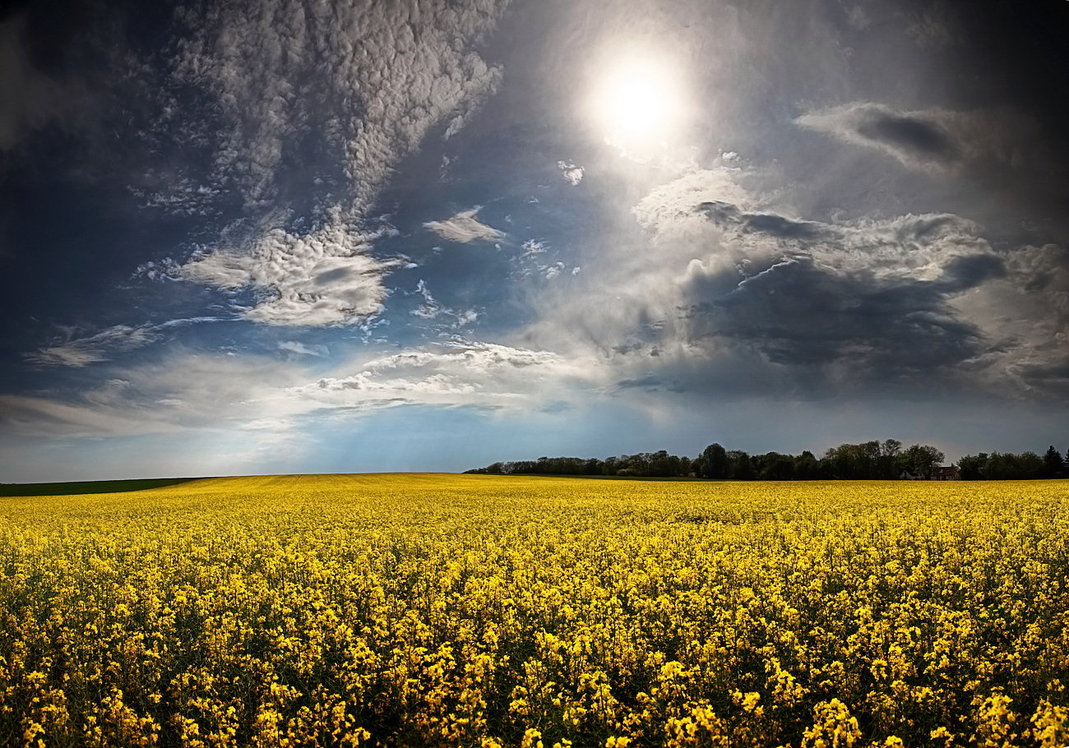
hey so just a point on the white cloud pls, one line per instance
(464, 227)
(484, 375)
(78, 352)
(668, 211)
(371, 80)
(300, 349)
(466, 317)
(572, 173)
(227, 393)
(327, 277)
(429, 309)
(184, 391)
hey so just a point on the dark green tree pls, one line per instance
(920, 460)
(713, 462)
(1053, 465)
(740, 467)
(972, 467)
(806, 466)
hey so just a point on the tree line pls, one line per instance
(872, 460)
(1009, 466)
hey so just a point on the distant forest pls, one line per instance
(886, 460)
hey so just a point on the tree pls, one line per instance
(972, 467)
(1053, 465)
(806, 466)
(888, 459)
(854, 461)
(776, 466)
(713, 462)
(920, 460)
(739, 465)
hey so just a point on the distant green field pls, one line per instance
(89, 486)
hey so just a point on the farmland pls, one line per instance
(478, 610)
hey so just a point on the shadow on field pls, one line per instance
(83, 487)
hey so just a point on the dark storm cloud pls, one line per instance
(809, 308)
(1046, 379)
(963, 273)
(725, 214)
(800, 314)
(924, 139)
(919, 139)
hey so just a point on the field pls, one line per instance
(434, 610)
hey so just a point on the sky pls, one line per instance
(288, 236)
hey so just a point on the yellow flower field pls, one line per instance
(436, 610)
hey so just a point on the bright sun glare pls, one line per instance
(638, 103)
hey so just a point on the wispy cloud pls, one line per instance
(189, 391)
(300, 349)
(102, 346)
(78, 352)
(461, 373)
(180, 392)
(464, 227)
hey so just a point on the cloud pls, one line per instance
(78, 352)
(456, 374)
(918, 301)
(300, 349)
(572, 173)
(327, 277)
(905, 247)
(371, 78)
(371, 81)
(668, 211)
(865, 303)
(188, 391)
(430, 309)
(932, 140)
(1025, 312)
(732, 296)
(799, 313)
(181, 392)
(464, 228)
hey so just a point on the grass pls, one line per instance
(75, 488)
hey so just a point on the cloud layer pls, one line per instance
(367, 81)
(191, 391)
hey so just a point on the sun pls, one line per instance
(638, 102)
